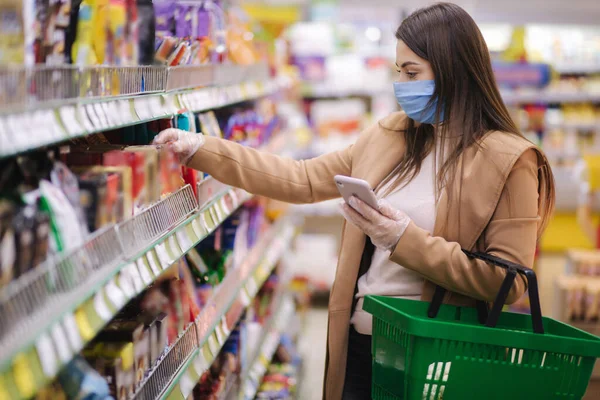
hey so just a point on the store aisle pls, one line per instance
(314, 353)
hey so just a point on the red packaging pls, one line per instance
(136, 161)
(190, 176)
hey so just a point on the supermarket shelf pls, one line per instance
(28, 88)
(215, 321)
(266, 349)
(69, 121)
(92, 292)
(577, 126)
(326, 90)
(577, 68)
(547, 97)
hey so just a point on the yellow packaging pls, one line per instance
(90, 46)
(12, 33)
(117, 20)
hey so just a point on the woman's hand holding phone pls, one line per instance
(185, 144)
(385, 225)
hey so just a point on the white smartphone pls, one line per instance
(349, 187)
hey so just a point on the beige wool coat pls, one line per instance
(497, 213)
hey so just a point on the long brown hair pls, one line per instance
(448, 38)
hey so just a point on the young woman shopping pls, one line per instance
(452, 171)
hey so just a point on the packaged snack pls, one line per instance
(114, 361)
(136, 161)
(92, 196)
(24, 231)
(55, 31)
(184, 16)
(105, 194)
(66, 232)
(164, 11)
(151, 174)
(80, 381)
(8, 253)
(134, 332)
(147, 32)
(62, 177)
(132, 32)
(162, 328)
(12, 33)
(116, 33)
(151, 327)
(42, 231)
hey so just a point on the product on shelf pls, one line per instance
(215, 382)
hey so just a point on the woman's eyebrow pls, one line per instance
(407, 63)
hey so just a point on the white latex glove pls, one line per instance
(385, 226)
(183, 143)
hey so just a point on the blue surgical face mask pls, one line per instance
(414, 99)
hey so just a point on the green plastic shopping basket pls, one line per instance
(430, 351)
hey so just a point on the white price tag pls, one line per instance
(125, 111)
(175, 246)
(112, 114)
(163, 256)
(186, 384)
(84, 118)
(126, 284)
(181, 102)
(68, 116)
(184, 241)
(200, 363)
(224, 326)
(169, 104)
(155, 105)
(196, 226)
(94, 119)
(213, 345)
(151, 256)
(251, 287)
(185, 101)
(5, 146)
(114, 294)
(46, 354)
(101, 307)
(72, 331)
(36, 123)
(244, 297)
(144, 271)
(135, 277)
(199, 100)
(101, 113)
(62, 346)
(220, 335)
(142, 108)
(12, 127)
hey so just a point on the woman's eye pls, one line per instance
(411, 75)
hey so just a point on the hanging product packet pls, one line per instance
(146, 32)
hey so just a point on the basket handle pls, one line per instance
(491, 319)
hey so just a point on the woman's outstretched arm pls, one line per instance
(258, 172)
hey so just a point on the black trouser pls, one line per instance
(357, 385)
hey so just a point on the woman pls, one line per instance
(454, 171)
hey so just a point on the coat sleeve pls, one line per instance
(272, 176)
(511, 234)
